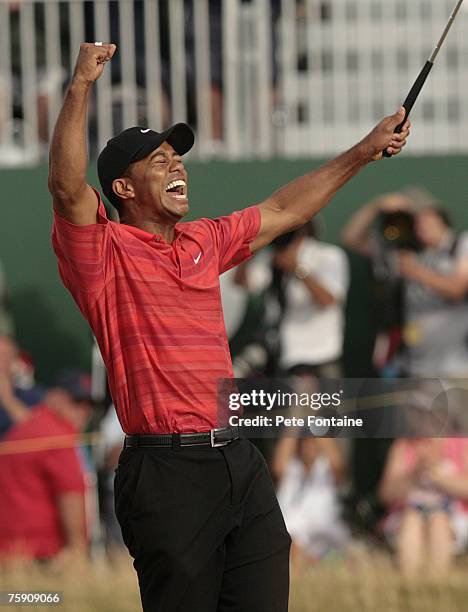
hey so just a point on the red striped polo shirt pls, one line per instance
(155, 310)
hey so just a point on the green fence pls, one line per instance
(50, 326)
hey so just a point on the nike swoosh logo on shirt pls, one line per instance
(197, 259)
(144, 131)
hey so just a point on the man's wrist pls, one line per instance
(365, 151)
(79, 82)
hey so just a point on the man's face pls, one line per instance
(159, 182)
(308, 451)
(430, 228)
(81, 414)
(77, 412)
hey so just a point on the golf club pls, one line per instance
(419, 83)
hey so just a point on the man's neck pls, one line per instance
(165, 230)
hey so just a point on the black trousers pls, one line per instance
(204, 528)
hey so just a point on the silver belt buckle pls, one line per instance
(215, 444)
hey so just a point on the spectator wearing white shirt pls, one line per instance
(309, 471)
(306, 283)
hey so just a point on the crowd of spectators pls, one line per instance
(419, 283)
(285, 312)
(50, 81)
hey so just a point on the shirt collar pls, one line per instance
(148, 236)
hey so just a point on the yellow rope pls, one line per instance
(10, 447)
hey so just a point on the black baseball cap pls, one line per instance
(75, 382)
(134, 144)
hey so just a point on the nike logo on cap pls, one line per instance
(144, 131)
(197, 258)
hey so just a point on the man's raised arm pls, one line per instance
(73, 197)
(297, 202)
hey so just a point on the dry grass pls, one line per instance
(364, 584)
(100, 587)
(373, 585)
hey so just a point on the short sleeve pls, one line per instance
(234, 234)
(336, 275)
(80, 251)
(64, 472)
(331, 269)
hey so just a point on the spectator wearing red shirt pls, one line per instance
(41, 478)
(196, 504)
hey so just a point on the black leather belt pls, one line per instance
(213, 438)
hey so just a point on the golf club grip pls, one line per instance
(412, 97)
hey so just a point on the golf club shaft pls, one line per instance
(446, 31)
(422, 77)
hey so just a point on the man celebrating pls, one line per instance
(196, 504)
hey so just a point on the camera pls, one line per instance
(397, 229)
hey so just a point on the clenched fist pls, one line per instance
(91, 60)
(384, 138)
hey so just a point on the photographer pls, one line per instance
(304, 283)
(427, 266)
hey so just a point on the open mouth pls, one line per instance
(177, 189)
